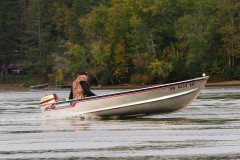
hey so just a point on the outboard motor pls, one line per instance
(47, 101)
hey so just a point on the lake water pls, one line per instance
(207, 129)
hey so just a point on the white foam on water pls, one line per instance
(68, 115)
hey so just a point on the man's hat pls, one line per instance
(84, 73)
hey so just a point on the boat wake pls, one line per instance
(64, 115)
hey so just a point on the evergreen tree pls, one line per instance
(10, 30)
(38, 42)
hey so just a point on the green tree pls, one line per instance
(194, 31)
(118, 41)
(37, 41)
(61, 20)
(229, 21)
(10, 30)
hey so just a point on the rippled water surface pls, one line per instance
(208, 129)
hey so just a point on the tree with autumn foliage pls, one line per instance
(122, 41)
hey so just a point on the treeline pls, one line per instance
(122, 41)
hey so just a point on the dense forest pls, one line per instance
(120, 41)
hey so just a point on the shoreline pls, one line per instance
(20, 87)
(13, 87)
(224, 83)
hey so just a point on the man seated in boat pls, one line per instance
(81, 87)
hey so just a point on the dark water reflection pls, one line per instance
(208, 129)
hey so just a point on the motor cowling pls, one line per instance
(48, 100)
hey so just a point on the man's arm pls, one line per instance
(71, 94)
(86, 90)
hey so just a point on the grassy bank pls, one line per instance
(23, 79)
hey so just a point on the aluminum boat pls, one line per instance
(160, 99)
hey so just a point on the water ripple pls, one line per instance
(208, 129)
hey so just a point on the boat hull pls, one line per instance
(152, 107)
(154, 100)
